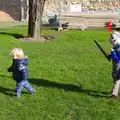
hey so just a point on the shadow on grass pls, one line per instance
(68, 87)
(17, 36)
(9, 92)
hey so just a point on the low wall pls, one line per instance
(90, 19)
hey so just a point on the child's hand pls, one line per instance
(111, 49)
(10, 69)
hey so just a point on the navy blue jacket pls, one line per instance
(19, 69)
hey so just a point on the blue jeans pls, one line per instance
(24, 83)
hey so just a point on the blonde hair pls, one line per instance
(18, 52)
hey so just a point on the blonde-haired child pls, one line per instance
(20, 73)
(17, 52)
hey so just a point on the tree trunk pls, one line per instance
(35, 18)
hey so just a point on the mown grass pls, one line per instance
(71, 76)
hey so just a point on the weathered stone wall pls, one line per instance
(101, 4)
(52, 6)
(18, 9)
(87, 5)
(11, 7)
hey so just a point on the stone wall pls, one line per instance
(101, 4)
(17, 9)
(87, 5)
(89, 19)
(11, 7)
(52, 6)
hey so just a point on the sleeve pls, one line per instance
(109, 56)
(114, 56)
(24, 74)
(10, 69)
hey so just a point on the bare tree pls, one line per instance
(36, 8)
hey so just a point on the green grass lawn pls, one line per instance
(71, 76)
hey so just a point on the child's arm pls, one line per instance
(10, 69)
(22, 68)
(114, 56)
(109, 56)
(24, 74)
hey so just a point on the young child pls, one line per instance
(115, 56)
(20, 73)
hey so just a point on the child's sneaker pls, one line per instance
(15, 96)
(32, 92)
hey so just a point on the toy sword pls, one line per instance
(105, 54)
